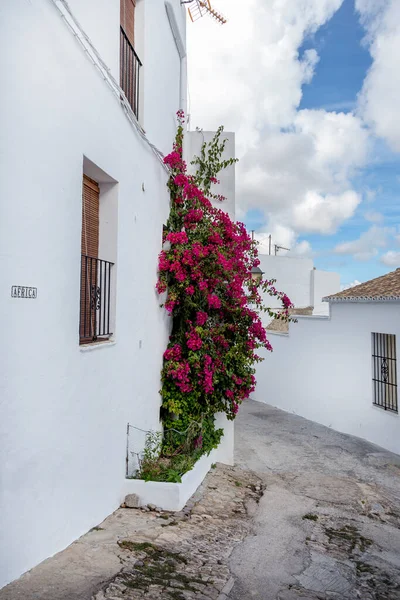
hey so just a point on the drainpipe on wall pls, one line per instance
(312, 287)
(180, 46)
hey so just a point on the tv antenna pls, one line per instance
(199, 8)
(277, 248)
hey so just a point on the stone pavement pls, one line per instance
(307, 514)
(328, 524)
(147, 553)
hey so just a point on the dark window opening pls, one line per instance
(129, 61)
(95, 296)
(384, 371)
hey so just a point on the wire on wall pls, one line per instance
(89, 48)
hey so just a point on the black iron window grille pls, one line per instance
(129, 72)
(384, 368)
(95, 313)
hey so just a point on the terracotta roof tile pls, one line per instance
(383, 288)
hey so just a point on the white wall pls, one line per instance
(161, 72)
(323, 283)
(322, 371)
(193, 142)
(64, 408)
(296, 277)
(99, 18)
(293, 276)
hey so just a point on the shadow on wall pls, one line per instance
(282, 326)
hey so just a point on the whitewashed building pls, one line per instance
(90, 91)
(341, 370)
(305, 285)
(226, 178)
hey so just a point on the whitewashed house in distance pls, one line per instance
(341, 370)
(90, 92)
(301, 281)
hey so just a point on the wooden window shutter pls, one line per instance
(128, 19)
(90, 217)
(89, 248)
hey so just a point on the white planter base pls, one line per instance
(174, 496)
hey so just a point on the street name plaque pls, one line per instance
(23, 291)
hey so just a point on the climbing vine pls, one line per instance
(214, 305)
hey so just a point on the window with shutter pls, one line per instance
(129, 60)
(128, 19)
(97, 306)
(89, 252)
(90, 217)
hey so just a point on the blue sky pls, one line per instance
(344, 61)
(316, 123)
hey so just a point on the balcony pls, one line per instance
(96, 290)
(129, 72)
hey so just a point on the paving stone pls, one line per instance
(132, 501)
(188, 559)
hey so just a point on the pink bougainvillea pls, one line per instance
(214, 304)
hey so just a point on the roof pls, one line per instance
(381, 289)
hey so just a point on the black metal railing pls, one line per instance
(129, 72)
(384, 371)
(96, 289)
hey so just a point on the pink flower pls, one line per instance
(190, 290)
(161, 287)
(194, 341)
(173, 159)
(163, 262)
(194, 215)
(287, 303)
(214, 301)
(208, 372)
(201, 318)
(170, 305)
(177, 238)
(180, 275)
(180, 180)
(173, 353)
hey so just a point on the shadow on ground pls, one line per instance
(328, 525)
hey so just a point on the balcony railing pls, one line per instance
(96, 292)
(129, 72)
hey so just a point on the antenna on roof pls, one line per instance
(199, 8)
(277, 248)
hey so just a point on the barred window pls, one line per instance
(384, 371)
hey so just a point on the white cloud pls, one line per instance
(294, 165)
(286, 238)
(288, 173)
(303, 249)
(339, 140)
(249, 73)
(379, 98)
(370, 195)
(280, 235)
(347, 286)
(374, 217)
(367, 245)
(323, 214)
(391, 259)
